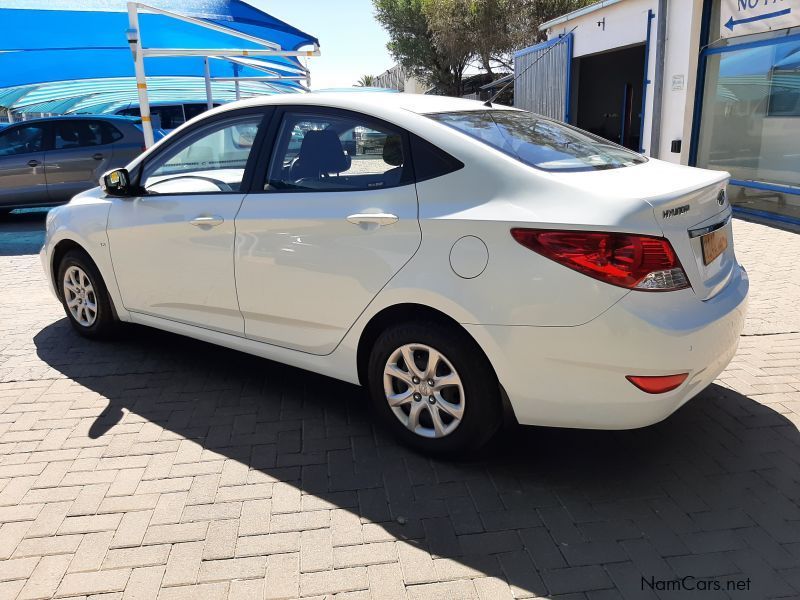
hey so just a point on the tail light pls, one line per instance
(637, 262)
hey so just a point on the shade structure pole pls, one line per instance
(135, 42)
(207, 75)
(236, 81)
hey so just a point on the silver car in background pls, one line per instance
(47, 161)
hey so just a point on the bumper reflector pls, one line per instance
(658, 384)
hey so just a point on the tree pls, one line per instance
(366, 81)
(437, 39)
(480, 27)
(412, 44)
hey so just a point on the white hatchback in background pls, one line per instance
(472, 261)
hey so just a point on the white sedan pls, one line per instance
(474, 263)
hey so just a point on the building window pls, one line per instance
(751, 119)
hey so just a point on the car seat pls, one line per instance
(321, 154)
(69, 136)
(393, 155)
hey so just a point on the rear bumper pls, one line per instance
(575, 376)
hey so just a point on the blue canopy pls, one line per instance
(86, 40)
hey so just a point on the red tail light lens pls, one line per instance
(631, 261)
(659, 384)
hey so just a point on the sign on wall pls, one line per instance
(741, 17)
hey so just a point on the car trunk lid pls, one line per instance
(685, 204)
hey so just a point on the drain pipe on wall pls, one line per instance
(658, 78)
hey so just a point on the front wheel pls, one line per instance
(84, 296)
(434, 388)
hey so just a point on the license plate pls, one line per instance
(713, 244)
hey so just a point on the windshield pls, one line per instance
(540, 142)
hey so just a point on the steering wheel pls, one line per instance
(223, 187)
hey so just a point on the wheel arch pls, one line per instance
(60, 250)
(404, 312)
(408, 311)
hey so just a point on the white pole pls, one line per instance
(135, 41)
(236, 81)
(10, 115)
(209, 99)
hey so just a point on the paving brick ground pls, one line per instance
(163, 467)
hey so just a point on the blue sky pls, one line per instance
(352, 42)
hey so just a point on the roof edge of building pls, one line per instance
(577, 13)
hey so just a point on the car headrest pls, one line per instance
(321, 152)
(68, 133)
(393, 151)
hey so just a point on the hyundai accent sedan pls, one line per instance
(486, 263)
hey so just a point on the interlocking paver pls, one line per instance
(221, 539)
(45, 578)
(95, 582)
(183, 563)
(156, 465)
(282, 579)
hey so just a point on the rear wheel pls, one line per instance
(434, 388)
(84, 296)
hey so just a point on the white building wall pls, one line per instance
(625, 25)
(680, 65)
(396, 78)
(621, 23)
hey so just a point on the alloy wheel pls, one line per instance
(424, 390)
(79, 296)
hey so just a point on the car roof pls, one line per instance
(416, 103)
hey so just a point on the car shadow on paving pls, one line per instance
(709, 493)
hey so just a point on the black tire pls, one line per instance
(105, 323)
(482, 407)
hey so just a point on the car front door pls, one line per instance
(80, 153)
(172, 247)
(326, 230)
(22, 180)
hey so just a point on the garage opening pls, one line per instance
(608, 98)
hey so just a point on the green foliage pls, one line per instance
(412, 44)
(366, 81)
(437, 39)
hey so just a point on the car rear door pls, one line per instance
(80, 153)
(322, 231)
(22, 179)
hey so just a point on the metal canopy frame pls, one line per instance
(233, 55)
(83, 95)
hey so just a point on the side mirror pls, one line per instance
(117, 183)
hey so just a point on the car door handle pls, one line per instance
(207, 221)
(98, 156)
(33, 163)
(366, 219)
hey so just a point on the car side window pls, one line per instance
(335, 152)
(108, 132)
(22, 140)
(80, 134)
(211, 159)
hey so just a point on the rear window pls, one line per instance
(539, 142)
